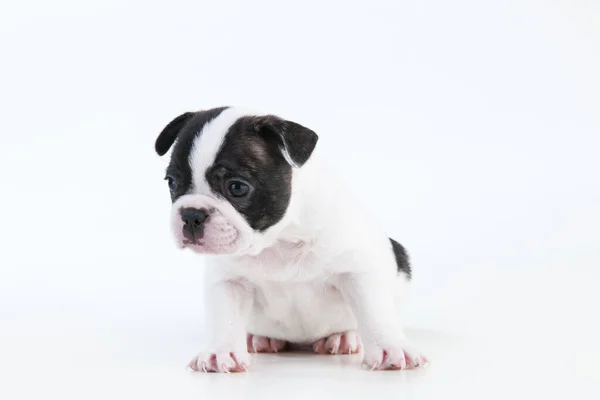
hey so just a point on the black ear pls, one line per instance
(295, 141)
(168, 135)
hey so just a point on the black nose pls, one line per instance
(193, 222)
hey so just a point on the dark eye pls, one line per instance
(172, 183)
(237, 188)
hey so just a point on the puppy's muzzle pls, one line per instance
(193, 223)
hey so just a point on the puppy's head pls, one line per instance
(230, 176)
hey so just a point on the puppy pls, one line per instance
(292, 258)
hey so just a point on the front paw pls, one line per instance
(235, 361)
(395, 357)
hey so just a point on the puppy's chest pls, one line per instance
(287, 262)
(298, 312)
(279, 299)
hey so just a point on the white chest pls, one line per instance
(299, 312)
(286, 262)
(294, 297)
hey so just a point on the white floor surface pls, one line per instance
(518, 351)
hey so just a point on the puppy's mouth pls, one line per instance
(204, 228)
(220, 243)
(187, 242)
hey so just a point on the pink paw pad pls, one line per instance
(262, 344)
(339, 343)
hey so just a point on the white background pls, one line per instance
(472, 129)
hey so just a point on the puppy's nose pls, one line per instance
(193, 222)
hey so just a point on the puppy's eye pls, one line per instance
(237, 188)
(171, 182)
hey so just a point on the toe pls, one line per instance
(414, 359)
(350, 343)
(260, 344)
(242, 360)
(332, 344)
(193, 365)
(372, 359)
(232, 362)
(319, 346)
(393, 359)
(338, 343)
(277, 345)
(204, 362)
(225, 363)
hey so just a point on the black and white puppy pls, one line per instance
(294, 259)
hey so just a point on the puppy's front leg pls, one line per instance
(228, 306)
(372, 299)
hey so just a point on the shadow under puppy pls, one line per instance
(291, 256)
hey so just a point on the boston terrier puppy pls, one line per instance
(291, 257)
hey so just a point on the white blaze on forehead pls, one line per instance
(207, 145)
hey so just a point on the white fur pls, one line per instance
(327, 267)
(207, 145)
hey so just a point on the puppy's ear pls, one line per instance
(168, 135)
(295, 141)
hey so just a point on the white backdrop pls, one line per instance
(471, 128)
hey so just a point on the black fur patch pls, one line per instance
(167, 137)
(297, 140)
(402, 259)
(185, 128)
(252, 153)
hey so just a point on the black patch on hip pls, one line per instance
(402, 259)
